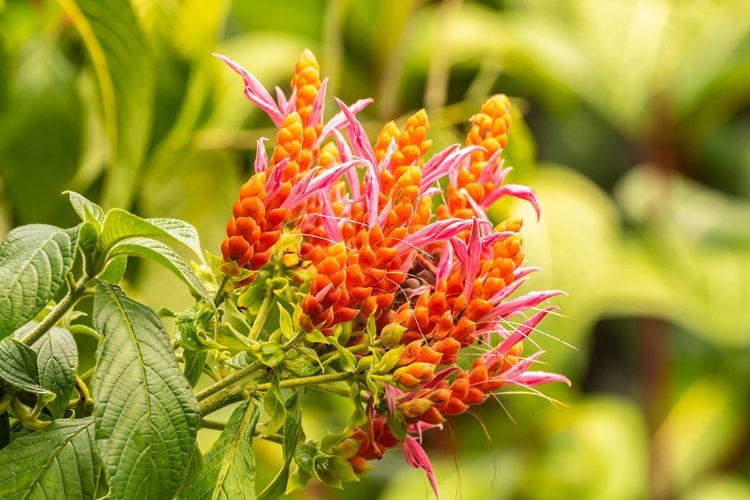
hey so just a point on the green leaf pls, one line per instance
(270, 353)
(304, 457)
(119, 224)
(145, 411)
(285, 323)
(195, 468)
(316, 336)
(124, 70)
(88, 236)
(340, 469)
(359, 417)
(164, 255)
(347, 360)
(274, 406)
(232, 339)
(114, 270)
(57, 363)
(18, 367)
(59, 461)
(194, 361)
(301, 366)
(87, 210)
(292, 435)
(34, 261)
(397, 425)
(229, 470)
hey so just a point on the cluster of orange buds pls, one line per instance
(262, 209)
(367, 444)
(376, 253)
(392, 209)
(478, 183)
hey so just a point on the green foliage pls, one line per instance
(34, 262)
(644, 103)
(145, 413)
(18, 368)
(59, 461)
(57, 364)
(229, 470)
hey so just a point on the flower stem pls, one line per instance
(244, 372)
(260, 319)
(335, 354)
(222, 399)
(307, 381)
(70, 299)
(238, 393)
(220, 292)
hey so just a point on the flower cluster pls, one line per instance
(384, 273)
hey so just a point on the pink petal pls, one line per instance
(273, 183)
(261, 157)
(323, 292)
(434, 232)
(372, 190)
(383, 217)
(386, 161)
(508, 290)
(520, 333)
(256, 92)
(473, 253)
(517, 191)
(493, 238)
(524, 271)
(531, 299)
(432, 171)
(416, 458)
(315, 181)
(330, 222)
(445, 264)
(291, 104)
(490, 169)
(357, 136)
(391, 393)
(447, 165)
(316, 116)
(477, 209)
(531, 379)
(521, 366)
(282, 100)
(340, 121)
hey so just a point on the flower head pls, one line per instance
(418, 287)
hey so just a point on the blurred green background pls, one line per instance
(633, 126)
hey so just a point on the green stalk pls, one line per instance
(260, 319)
(237, 393)
(74, 294)
(335, 354)
(222, 399)
(244, 372)
(307, 381)
(220, 294)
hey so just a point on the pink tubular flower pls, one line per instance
(385, 270)
(416, 458)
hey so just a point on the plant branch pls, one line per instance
(222, 399)
(260, 319)
(220, 293)
(238, 393)
(67, 302)
(307, 381)
(244, 372)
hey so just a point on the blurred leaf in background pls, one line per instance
(631, 121)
